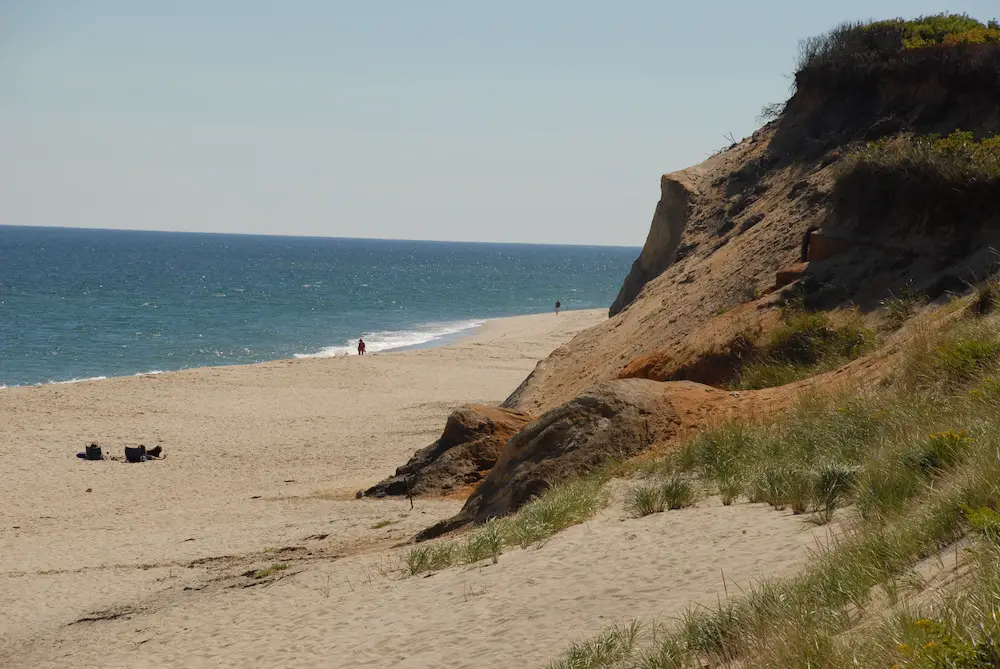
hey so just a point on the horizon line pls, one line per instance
(290, 236)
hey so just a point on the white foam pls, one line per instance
(389, 340)
(89, 378)
(150, 372)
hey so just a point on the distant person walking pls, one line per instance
(558, 304)
(361, 346)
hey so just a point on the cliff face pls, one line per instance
(728, 234)
(721, 233)
(669, 220)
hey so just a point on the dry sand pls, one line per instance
(148, 568)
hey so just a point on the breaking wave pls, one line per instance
(395, 339)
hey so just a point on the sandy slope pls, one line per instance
(259, 457)
(360, 611)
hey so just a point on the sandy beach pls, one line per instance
(258, 456)
(108, 564)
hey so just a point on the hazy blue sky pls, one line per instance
(466, 120)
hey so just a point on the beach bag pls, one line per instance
(93, 452)
(135, 453)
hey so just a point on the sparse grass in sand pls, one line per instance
(805, 344)
(671, 492)
(382, 523)
(907, 469)
(557, 508)
(267, 571)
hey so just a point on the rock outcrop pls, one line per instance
(616, 419)
(669, 219)
(467, 449)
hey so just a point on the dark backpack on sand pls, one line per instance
(93, 452)
(135, 453)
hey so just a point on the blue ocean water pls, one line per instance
(77, 304)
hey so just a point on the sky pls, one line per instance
(514, 121)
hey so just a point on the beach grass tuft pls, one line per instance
(268, 571)
(668, 493)
(559, 507)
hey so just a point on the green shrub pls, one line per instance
(986, 520)
(940, 452)
(876, 41)
(935, 643)
(963, 357)
(974, 36)
(936, 29)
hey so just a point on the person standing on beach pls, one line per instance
(361, 346)
(558, 304)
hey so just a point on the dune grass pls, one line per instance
(900, 308)
(559, 507)
(907, 469)
(662, 494)
(804, 344)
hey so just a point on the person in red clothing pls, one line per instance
(361, 346)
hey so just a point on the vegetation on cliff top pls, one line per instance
(878, 40)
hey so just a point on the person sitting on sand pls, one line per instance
(361, 346)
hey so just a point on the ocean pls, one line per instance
(81, 304)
